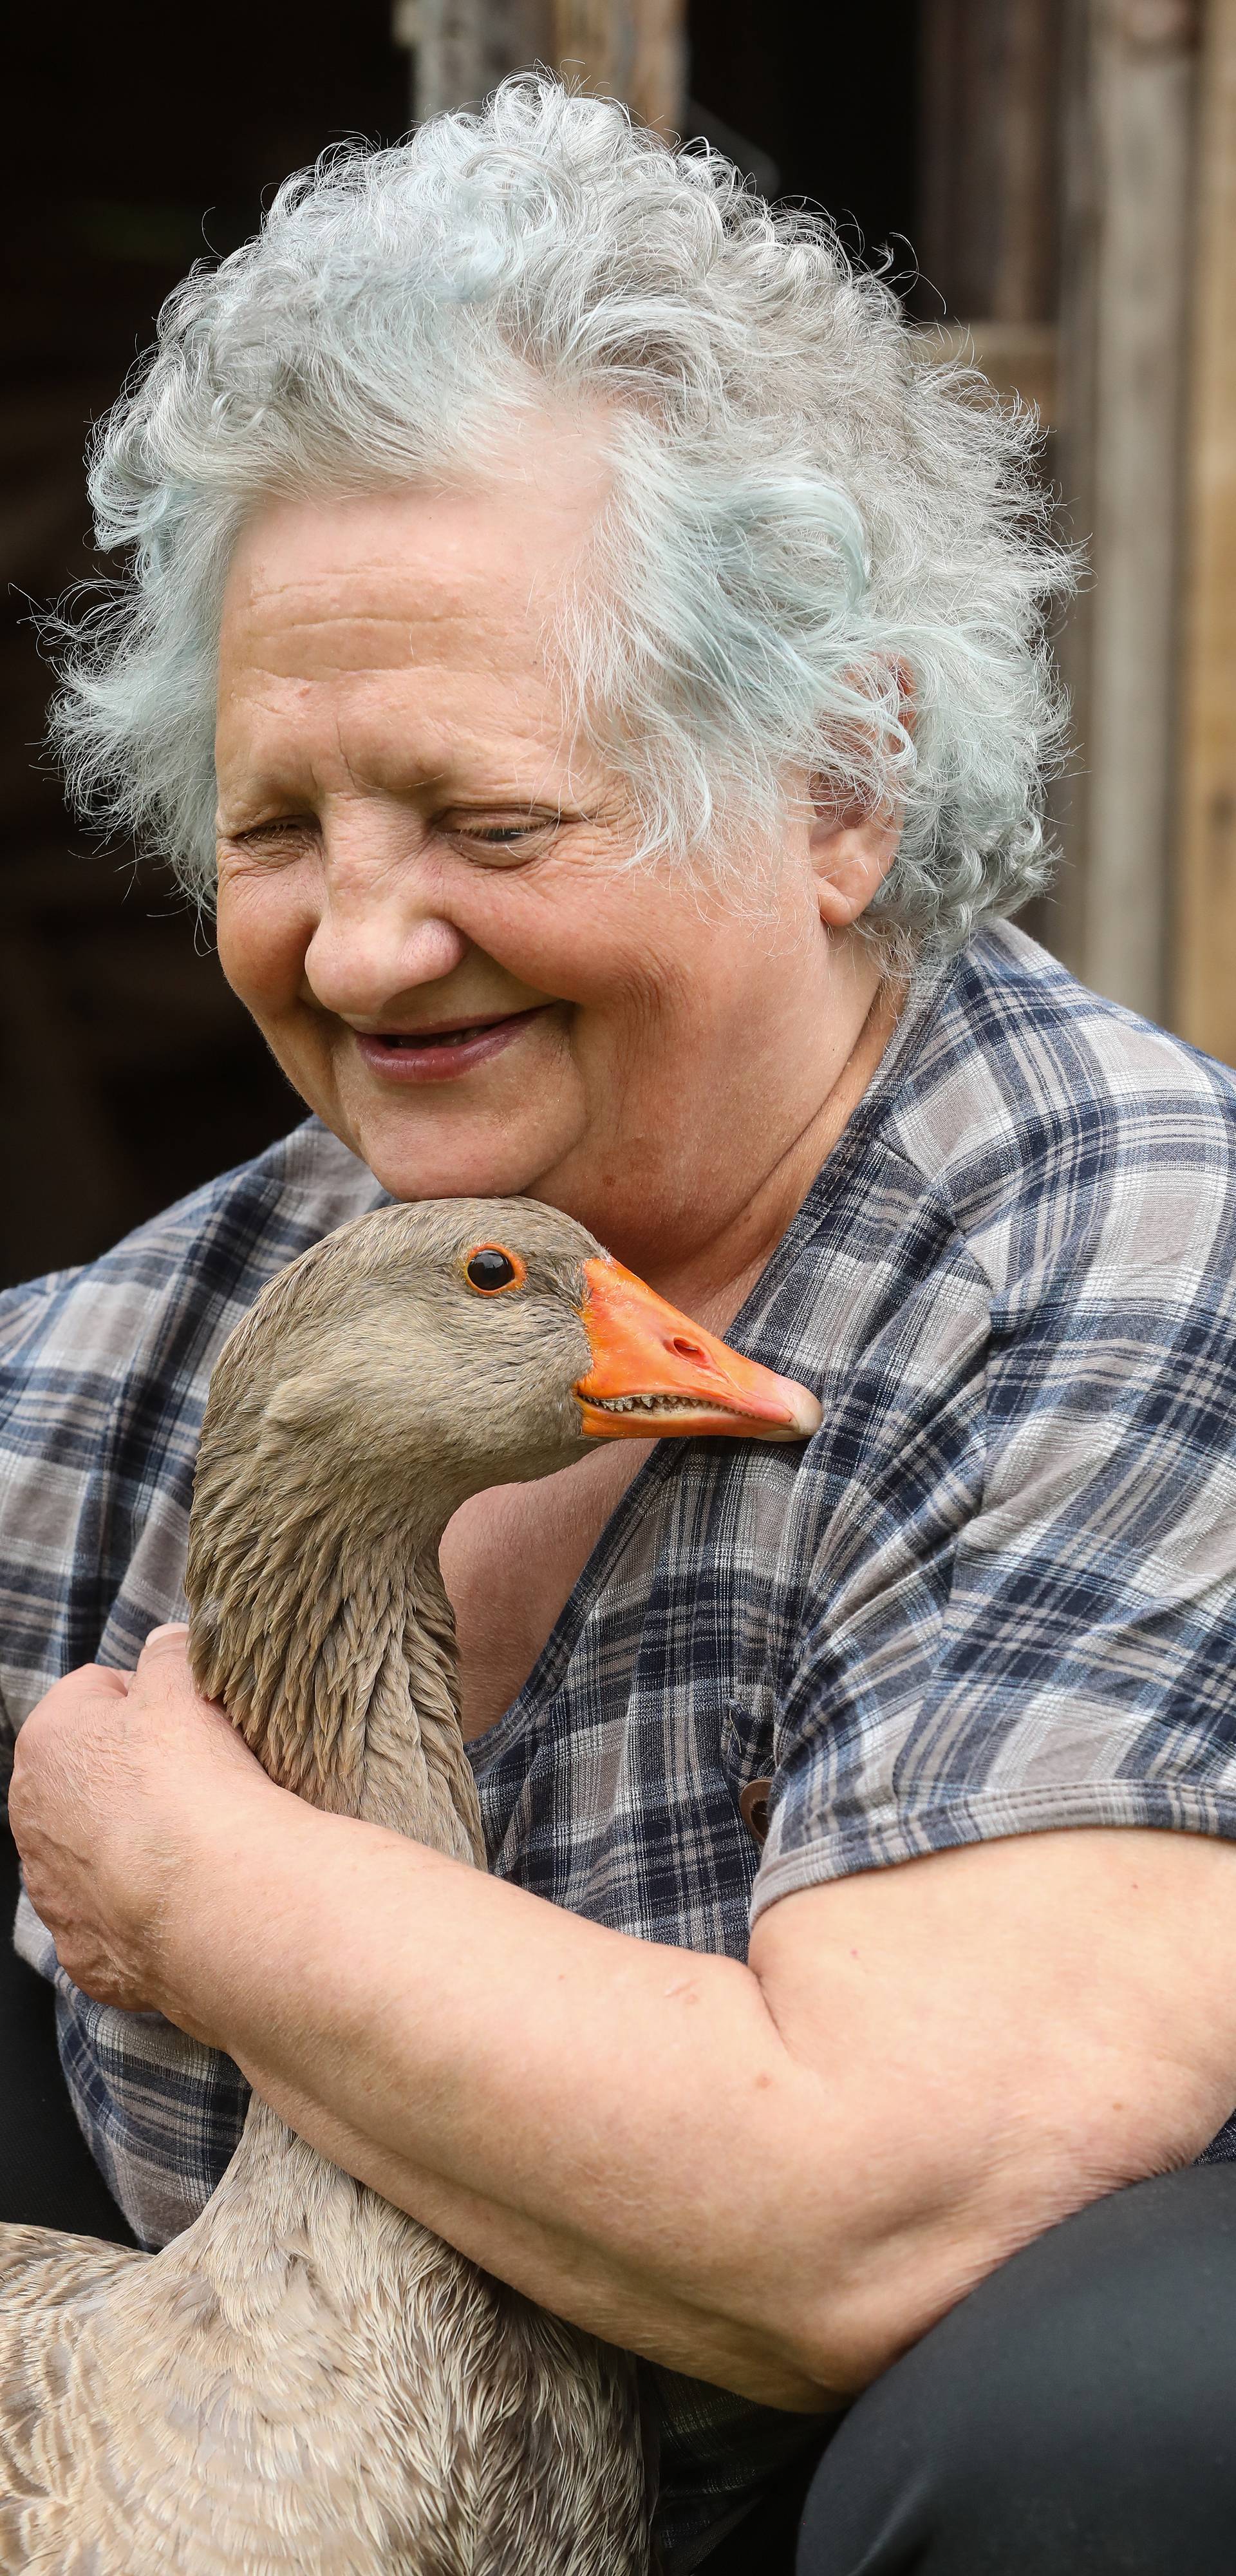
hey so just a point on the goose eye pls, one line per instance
(491, 1269)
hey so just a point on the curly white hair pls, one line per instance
(825, 554)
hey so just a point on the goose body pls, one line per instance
(307, 2380)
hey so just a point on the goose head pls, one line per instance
(424, 1352)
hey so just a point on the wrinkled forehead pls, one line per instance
(378, 574)
(386, 638)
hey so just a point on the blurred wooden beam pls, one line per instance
(1020, 359)
(1206, 864)
(460, 48)
(988, 154)
(1129, 172)
(629, 49)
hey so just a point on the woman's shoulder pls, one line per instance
(1057, 1125)
(208, 1254)
(103, 1377)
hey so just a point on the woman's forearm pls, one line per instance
(774, 2177)
(614, 2127)
(597, 2119)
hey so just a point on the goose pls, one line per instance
(306, 2379)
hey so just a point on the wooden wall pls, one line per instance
(1079, 219)
(1130, 111)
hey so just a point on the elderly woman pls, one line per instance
(594, 662)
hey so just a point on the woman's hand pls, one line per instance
(119, 1781)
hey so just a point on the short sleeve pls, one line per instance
(1022, 1613)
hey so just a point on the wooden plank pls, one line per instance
(1026, 285)
(1124, 357)
(462, 47)
(988, 157)
(1206, 856)
(629, 49)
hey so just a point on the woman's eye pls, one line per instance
(511, 839)
(284, 838)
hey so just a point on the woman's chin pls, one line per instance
(493, 1134)
(466, 1166)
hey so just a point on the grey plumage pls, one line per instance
(307, 2380)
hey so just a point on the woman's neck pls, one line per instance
(711, 1272)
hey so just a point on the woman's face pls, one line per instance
(422, 895)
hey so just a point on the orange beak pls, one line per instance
(656, 1375)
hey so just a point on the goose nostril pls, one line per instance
(687, 1350)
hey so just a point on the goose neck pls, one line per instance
(333, 1652)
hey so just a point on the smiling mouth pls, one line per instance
(411, 1041)
(437, 1055)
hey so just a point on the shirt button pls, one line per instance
(753, 1808)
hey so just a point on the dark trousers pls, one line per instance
(1075, 2416)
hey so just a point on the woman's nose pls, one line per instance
(358, 961)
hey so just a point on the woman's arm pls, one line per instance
(771, 2176)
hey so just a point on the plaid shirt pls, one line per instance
(995, 1594)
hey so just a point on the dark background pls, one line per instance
(128, 1073)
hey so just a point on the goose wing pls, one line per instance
(41, 2269)
(49, 2285)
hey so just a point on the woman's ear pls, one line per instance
(852, 851)
(853, 846)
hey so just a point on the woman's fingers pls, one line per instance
(173, 1635)
(116, 1779)
(87, 1682)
